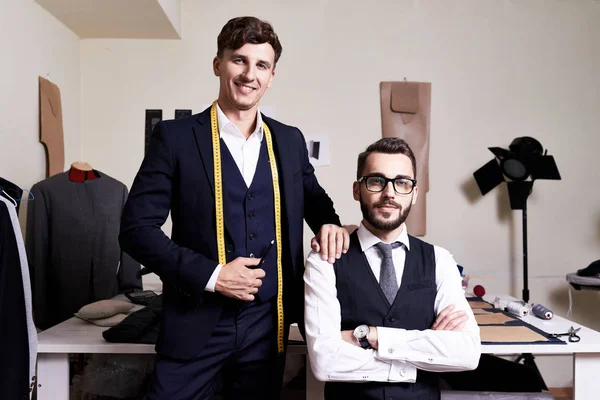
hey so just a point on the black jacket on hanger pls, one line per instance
(14, 344)
(12, 190)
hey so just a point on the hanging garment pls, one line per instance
(7, 188)
(18, 336)
(73, 248)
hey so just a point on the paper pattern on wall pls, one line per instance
(51, 126)
(405, 113)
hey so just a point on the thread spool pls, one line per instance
(500, 303)
(542, 312)
(517, 309)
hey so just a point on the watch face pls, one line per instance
(361, 331)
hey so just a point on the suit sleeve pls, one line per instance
(318, 206)
(147, 209)
(129, 275)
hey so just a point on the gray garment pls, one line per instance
(73, 248)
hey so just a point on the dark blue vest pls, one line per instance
(362, 302)
(250, 211)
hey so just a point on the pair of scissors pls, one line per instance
(572, 334)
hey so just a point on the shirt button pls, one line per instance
(251, 255)
(391, 350)
(392, 319)
(251, 236)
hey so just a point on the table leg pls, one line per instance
(53, 376)
(586, 382)
(314, 388)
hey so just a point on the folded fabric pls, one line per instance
(106, 322)
(141, 326)
(104, 309)
(591, 270)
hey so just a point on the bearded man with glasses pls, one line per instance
(391, 312)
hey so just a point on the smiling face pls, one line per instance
(244, 74)
(387, 210)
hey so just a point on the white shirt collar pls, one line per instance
(225, 125)
(368, 240)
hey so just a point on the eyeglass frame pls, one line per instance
(387, 180)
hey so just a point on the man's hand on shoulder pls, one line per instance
(331, 242)
(237, 281)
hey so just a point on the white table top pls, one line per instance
(77, 336)
(589, 343)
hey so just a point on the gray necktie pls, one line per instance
(387, 274)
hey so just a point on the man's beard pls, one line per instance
(387, 224)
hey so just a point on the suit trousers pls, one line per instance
(241, 353)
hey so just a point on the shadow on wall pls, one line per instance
(586, 305)
(506, 216)
(598, 228)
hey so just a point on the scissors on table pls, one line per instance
(572, 334)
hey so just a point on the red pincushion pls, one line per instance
(479, 291)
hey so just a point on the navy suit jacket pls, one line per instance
(177, 175)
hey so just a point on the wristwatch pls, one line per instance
(361, 333)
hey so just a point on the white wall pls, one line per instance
(33, 43)
(499, 69)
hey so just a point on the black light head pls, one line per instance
(524, 158)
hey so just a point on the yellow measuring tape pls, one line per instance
(216, 141)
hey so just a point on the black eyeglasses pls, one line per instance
(375, 183)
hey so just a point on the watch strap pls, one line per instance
(364, 343)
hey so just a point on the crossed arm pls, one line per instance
(451, 344)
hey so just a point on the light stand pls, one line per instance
(525, 277)
(521, 191)
(525, 159)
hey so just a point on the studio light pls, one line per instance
(519, 166)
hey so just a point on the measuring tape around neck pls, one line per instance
(216, 142)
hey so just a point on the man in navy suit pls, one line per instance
(234, 181)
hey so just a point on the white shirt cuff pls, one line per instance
(390, 343)
(402, 372)
(210, 286)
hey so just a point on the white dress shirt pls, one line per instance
(400, 352)
(245, 153)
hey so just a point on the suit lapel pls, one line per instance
(203, 134)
